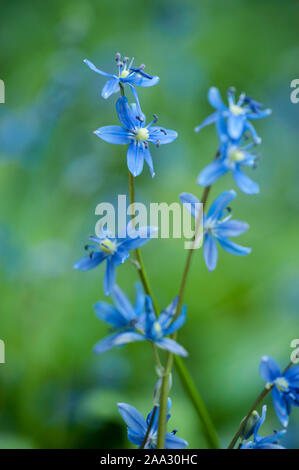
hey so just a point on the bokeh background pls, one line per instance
(53, 172)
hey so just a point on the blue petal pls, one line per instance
(235, 126)
(135, 158)
(114, 134)
(260, 114)
(95, 69)
(149, 161)
(212, 172)
(150, 316)
(166, 316)
(109, 314)
(138, 80)
(210, 252)
(174, 442)
(117, 339)
(110, 276)
(140, 299)
(273, 438)
(125, 114)
(251, 129)
(231, 228)
(110, 87)
(215, 99)
(219, 205)
(165, 136)
(139, 237)
(244, 182)
(172, 346)
(86, 263)
(133, 418)
(269, 369)
(233, 248)
(176, 324)
(292, 375)
(106, 344)
(123, 304)
(191, 203)
(209, 120)
(260, 422)
(281, 406)
(135, 437)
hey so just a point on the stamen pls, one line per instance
(163, 131)
(91, 254)
(174, 432)
(126, 59)
(140, 118)
(157, 143)
(118, 56)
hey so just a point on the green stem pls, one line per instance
(261, 396)
(207, 424)
(141, 267)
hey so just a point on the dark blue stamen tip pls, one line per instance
(231, 90)
(229, 209)
(91, 254)
(140, 118)
(118, 56)
(164, 131)
(157, 143)
(155, 117)
(126, 59)
(86, 247)
(174, 432)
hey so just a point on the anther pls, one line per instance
(229, 209)
(164, 131)
(86, 247)
(157, 143)
(141, 67)
(155, 117)
(140, 118)
(126, 59)
(174, 432)
(91, 254)
(231, 90)
(118, 56)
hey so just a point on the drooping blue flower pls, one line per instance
(233, 155)
(270, 442)
(137, 428)
(113, 250)
(127, 74)
(135, 133)
(217, 226)
(139, 323)
(285, 391)
(238, 114)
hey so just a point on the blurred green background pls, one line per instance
(53, 172)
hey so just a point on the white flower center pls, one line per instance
(236, 110)
(236, 155)
(142, 134)
(124, 73)
(108, 246)
(282, 384)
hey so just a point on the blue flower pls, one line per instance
(127, 74)
(137, 428)
(135, 133)
(270, 442)
(113, 250)
(238, 114)
(217, 227)
(139, 323)
(232, 157)
(285, 391)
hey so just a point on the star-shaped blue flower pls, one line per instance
(233, 155)
(139, 323)
(270, 442)
(238, 114)
(137, 428)
(113, 250)
(285, 391)
(135, 133)
(127, 74)
(217, 226)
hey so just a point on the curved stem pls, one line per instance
(208, 426)
(261, 396)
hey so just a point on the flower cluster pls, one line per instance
(141, 321)
(234, 129)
